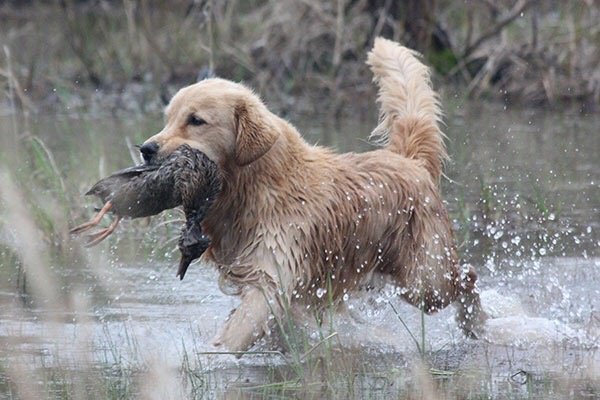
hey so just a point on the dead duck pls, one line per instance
(198, 182)
(187, 177)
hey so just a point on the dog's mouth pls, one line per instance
(156, 160)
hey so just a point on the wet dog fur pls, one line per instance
(294, 218)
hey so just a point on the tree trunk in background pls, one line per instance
(418, 21)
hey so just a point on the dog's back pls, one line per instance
(409, 108)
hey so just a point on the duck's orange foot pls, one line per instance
(92, 222)
(97, 237)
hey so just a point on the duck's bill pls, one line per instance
(184, 263)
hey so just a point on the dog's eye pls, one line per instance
(195, 121)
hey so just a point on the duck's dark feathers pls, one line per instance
(186, 177)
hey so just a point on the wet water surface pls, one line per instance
(523, 192)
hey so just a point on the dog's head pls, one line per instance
(223, 119)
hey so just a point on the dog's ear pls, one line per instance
(255, 136)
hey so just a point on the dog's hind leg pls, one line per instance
(469, 314)
(428, 269)
(458, 287)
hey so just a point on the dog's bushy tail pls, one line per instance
(409, 108)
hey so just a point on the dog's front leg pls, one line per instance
(248, 323)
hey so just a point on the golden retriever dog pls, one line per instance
(295, 220)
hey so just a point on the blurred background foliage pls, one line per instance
(132, 55)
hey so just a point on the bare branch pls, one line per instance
(515, 12)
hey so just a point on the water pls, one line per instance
(523, 192)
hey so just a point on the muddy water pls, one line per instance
(523, 190)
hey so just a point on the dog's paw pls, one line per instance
(473, 325)
(235, 339)
(246, 324)
(219, 342)
(470, 315)
(232, 344)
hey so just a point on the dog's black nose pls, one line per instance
(148, 150)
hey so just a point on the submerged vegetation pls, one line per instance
(522, 190)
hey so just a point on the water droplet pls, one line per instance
(542, 251)
(321, 292)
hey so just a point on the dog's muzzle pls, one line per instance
(149, 150)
